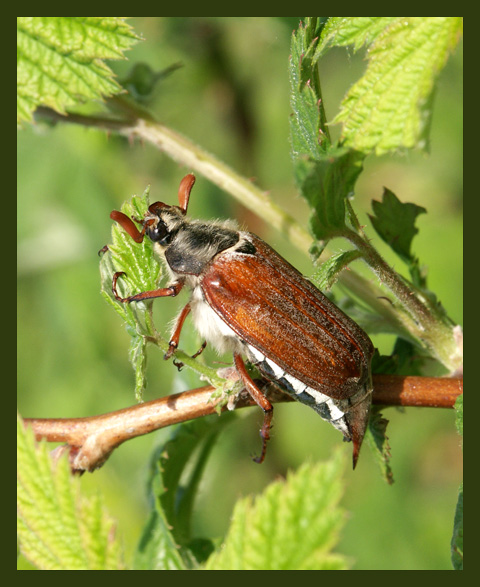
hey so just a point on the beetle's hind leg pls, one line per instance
(260, 400)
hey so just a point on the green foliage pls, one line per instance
(457, 538)
(325, 174)
(377, 439)
(306, 123)
(60, 60)
(329, 182)
(176, 471)
(142, 273)
(141, 81)
(293, 525)
(158, 550)
(390, 107)
(58, 527)
(404, 360)
(302, 510)
(459, 415)
(327, 274)
(394, 221)
(137, 261)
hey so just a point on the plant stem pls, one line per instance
(92, 440)
(416, 314)
(187, 153)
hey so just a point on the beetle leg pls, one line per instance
(173, 344)
(171, 290)
(200, 350)
(175, 338)
(261, 401)
(178, 364)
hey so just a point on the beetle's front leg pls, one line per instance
(171, 290)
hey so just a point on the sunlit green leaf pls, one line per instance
(293, 525)
(137, 260)
(390, 106)
(138, 358)
(58, 527)
(142, 271)
(60, 60)
(342, 31)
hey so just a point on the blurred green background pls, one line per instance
(231, 97)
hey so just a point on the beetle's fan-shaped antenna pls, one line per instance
(128, 226)
(184, 190)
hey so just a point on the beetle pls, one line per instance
(248, 300)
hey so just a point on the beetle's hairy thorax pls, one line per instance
(194, 244)
(193, 248)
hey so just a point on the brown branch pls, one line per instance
(420, 392)
(90, 441)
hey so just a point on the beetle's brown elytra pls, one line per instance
(248, 300)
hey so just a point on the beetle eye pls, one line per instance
(160, 234)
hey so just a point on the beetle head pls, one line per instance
(161, 221)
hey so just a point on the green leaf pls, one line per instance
(157, 550)
(182, 462)
(143, 272)
(457, 538)
(327, 274)
(459, 414)
(138, 358)
(59, 60)
(293, 525)
(390, 107)
(306, 135)
(325, 174)
(141, 81)
(394, 222)
(177, 468)
(404, 360)
(326, 185)
(138, 261)
(378, 441)
(59, 528)
(341, 31)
